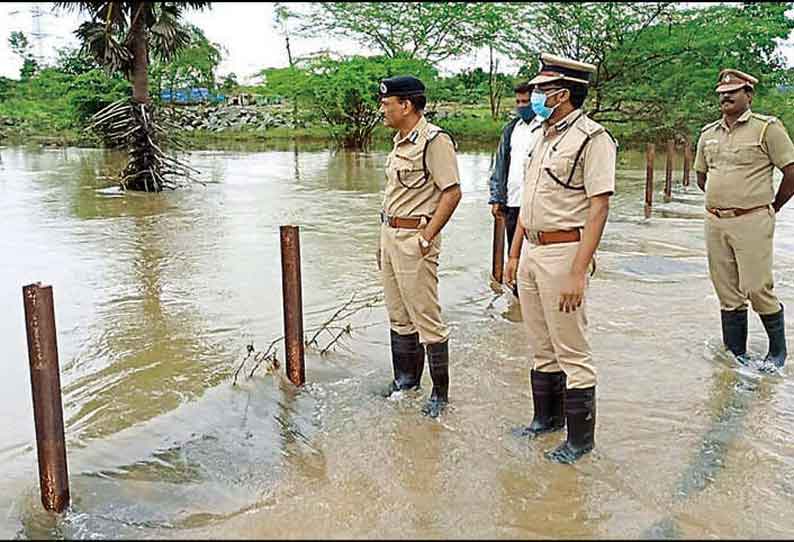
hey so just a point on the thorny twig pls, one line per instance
(313, 340)
(337, 332)
(346, 330)
(273, 361)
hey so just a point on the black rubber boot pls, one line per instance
(438, 361)
(734, 331)
(580, 414)
(405, 351)
(548, 400)
(775, 327)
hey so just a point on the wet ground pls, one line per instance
(156, 297)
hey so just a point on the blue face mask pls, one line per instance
(525, 112)
(538, 100)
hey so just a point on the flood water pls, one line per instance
(157, 296)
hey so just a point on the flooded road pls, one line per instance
(156, 297)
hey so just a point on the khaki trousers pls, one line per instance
(410, 284)
(740, 260)
(557, 340)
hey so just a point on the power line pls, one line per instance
(37, 32)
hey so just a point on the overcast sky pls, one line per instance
(245, 29)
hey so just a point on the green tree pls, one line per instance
(75, 61)
(664, 85)
(6, 87)
(229, 83)
(20, 46)
(495, 30)
(345, 91)
(429, 31)
(193, 66)
(92, 91)
(657, 63)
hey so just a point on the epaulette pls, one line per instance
(589, 127)
(433, 131)
(769, 119)
(710, 125)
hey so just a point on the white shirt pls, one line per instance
(521, 143)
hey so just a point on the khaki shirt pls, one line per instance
(739, 161)
(408, 194)
(545, 204)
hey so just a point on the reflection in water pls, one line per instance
(732, 396)
(156, 297)
(735, 390)
(149, 346)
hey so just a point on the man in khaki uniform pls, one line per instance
(735, 159)
(564, 207)
(422, 191)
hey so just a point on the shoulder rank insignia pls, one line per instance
(710, 125)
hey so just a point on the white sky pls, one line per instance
(245, 29)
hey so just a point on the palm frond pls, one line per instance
(102, 45)
(167, 36)
(113, 16)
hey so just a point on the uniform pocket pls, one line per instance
(710, 153)
(433, 252)
(408, 169)
(556, 172)
(748, 154)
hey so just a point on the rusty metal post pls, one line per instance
(45, 382)
(293, 303)
(498, 257)
(687, 161)
(650, 154)
(668, 172)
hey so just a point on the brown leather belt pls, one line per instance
(552, 237)
(399, 222)
(728, 213)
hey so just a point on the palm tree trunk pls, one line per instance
(140, 55)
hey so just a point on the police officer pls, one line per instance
(564, 207)
(734, 162)
(422, 191)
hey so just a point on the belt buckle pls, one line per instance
(726, 213)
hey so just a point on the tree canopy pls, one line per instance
(345, 91)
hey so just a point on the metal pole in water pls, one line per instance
(668, 174)
(498, 258)
(649, 156)
(45, 382)
(687, 160)
(293, 303)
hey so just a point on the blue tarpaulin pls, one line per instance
(190, 95)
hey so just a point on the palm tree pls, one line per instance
(121, 35)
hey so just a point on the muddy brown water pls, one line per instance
(156, 297)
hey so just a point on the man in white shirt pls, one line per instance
(515, 146)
